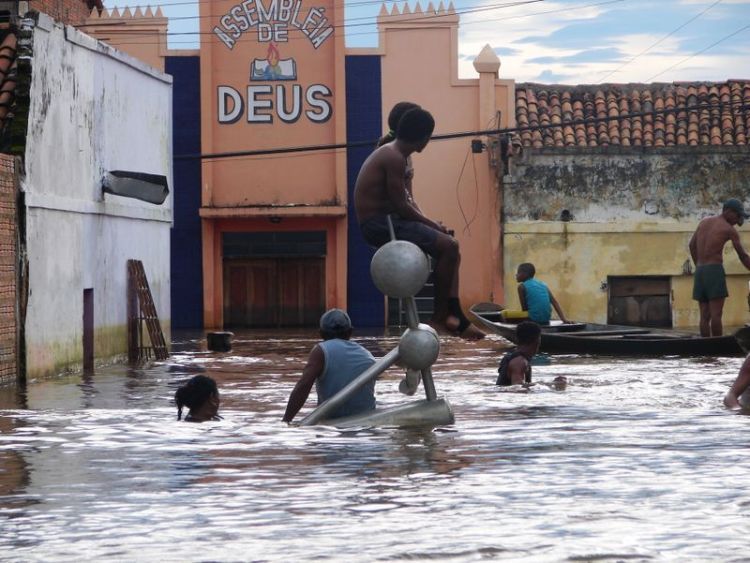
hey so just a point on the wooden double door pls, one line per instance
(274, 292)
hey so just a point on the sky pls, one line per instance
(563, 41)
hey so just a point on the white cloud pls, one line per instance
(708, 3)
(478, 29)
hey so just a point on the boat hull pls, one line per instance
(618, 340)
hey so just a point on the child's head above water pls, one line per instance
(528, 333)
(201, 396)
(525, 271)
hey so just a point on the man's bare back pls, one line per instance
(707, 243)
(707, 251)
(382, 187)
(370, 192)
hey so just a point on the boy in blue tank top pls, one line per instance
(331, 366)
(535, 296)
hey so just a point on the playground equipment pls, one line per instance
(399, 269)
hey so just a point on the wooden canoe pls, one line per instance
(617, 340)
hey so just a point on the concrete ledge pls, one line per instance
(46, 23)
(106, 207)
(628, 227)
(272, 211)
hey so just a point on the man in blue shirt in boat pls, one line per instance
(707, 251)
(535, 296)
(331, 366)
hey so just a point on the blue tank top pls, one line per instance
(344, 361)
(537, 300)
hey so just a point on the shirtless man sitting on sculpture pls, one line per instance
(381, 191)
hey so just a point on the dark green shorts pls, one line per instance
(710, 283)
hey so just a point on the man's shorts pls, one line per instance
(375, 232)
(710, 282)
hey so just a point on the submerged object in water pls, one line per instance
(416, 413)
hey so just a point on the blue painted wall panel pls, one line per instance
(363, 123)
(186, 266)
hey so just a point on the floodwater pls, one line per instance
(636, 460)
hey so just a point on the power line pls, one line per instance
(668, 35)
(205, 16)
(464, 24)
(417, 17)
(445, 136)
(711, 46)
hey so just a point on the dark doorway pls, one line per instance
(88, 330)
(274, 279)
(640, 301)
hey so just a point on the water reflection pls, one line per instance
(635, 460)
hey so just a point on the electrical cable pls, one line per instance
(711, 46)
(626, 63)
(458, 182)
(741, 105)
(394, 30)
(417, 17)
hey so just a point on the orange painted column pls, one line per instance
(209, 319)
(487, 64)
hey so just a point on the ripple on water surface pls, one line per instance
(635, 460)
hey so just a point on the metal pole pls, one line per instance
(390, 227)
(412, 319)
(342, 396)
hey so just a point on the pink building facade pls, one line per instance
(278, 238)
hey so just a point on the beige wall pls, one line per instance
(574, 259)
(419, 64)
(139, 33)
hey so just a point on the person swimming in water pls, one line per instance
(515, 367)
(201, 396)
(732, 400)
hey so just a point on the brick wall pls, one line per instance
(72, 12)
(8, 233)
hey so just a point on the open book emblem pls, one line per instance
(273, 67)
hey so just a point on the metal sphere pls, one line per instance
(399, 269)
(419, 348)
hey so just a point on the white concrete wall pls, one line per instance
(92, 110)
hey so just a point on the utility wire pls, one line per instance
(464, 24)
(345, 5)
(742, 105)
(416, 17)
(711, 46)
(668, 35)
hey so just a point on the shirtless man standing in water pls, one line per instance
(706, 249)
(381, 191)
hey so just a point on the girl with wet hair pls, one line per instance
(397, 112)
(201, 396)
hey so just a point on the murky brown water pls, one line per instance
(636, 460)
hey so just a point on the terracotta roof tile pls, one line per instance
(670, 119)
(7, 77)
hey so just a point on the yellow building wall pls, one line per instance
(575, 259)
